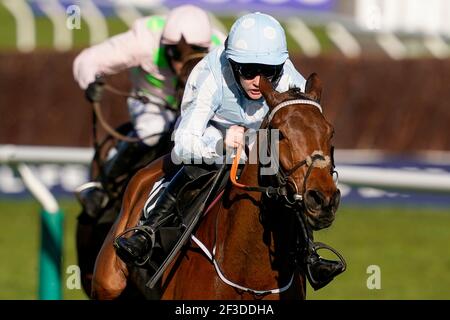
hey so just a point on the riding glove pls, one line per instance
(94, 91)
(234, 136)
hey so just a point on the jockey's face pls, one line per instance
(250, 73)
(178, 54)
(174, 56)
(251, 87)
(176, 66)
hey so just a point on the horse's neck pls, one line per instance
(244, 241)
(246, 204)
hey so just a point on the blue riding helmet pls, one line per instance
(257, 38)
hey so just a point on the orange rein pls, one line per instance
(234, 168)
(233, 173)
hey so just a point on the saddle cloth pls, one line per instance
(192, 202)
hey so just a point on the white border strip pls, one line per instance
(392, 45)
(127, 13)
(437, 46)
(95, 20)
(343, 39)
(62, 36)
(304, 37)
(25, 27)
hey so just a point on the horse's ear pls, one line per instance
(268, 92)
(313, 87)
(184, 48)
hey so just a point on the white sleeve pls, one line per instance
(193, 142)
(293, 77)
(118, 53)
(217, 38)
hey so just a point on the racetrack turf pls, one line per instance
(409, 245)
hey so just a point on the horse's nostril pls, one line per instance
(315, 199)
(336, 200)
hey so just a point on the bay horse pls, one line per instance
(246, 246)
(91, 232)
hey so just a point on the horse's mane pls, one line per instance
(297, 93)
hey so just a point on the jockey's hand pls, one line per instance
(234, 137)
(94, 91)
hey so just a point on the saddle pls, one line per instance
(192, 202)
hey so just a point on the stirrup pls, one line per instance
(151, 236)
(93, 197)
(316, 266)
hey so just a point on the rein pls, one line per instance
(315, 160)
(97, 113)
(211, 257)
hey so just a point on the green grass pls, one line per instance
(325, 42)
(19, 249)
(7, 29)
(410, 245)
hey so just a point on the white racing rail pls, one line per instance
(401, 179)
(397, 179)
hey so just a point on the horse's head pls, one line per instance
(305, 149)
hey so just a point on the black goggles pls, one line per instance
(249, 71)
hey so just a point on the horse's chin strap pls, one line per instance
(231, 283)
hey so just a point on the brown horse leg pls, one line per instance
(110, 272)
(109, 279)
(84, 235)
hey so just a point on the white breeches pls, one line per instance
(150, 120)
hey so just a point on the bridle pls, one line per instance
(309, 248)
(315, 160)
(306, 253)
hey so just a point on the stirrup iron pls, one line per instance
(320, 271)
(150, 235)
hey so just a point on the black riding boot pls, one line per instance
(321, 271)
(138, 246)
(94, 195)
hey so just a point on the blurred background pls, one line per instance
(385, 70)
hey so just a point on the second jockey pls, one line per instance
(152, 50)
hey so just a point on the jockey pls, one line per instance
(153, 51)
(221, 99)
